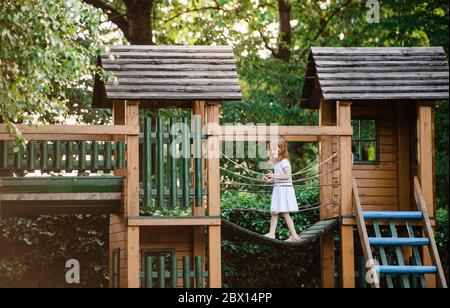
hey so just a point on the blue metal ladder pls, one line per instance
(381, 243)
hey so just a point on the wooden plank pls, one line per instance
(186, 74)
(433, 253)
(213, 162)
(382, 58)
(385, 89)
(375, 183)
(347, 257)
(345, 195)
(193, 82)
(326, 150)
(367, 174)
(363, 236)
(178, 221)
(262, 130)
(380, 61)
(386, 96)
(214, 257)
(381, 82)
(166, 55)
(172, 88)
(385, 76)
(402, 51)
(163, 61)
(175, 95)
(174, 48)
(327, 260)
(60, 196)
(68, 131)
(169, 67)
(268, 138)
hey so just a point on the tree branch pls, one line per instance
(114, 16)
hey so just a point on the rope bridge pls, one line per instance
(308, 235)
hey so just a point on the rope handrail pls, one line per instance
(304, 170)
(301, 209)
(272, 184)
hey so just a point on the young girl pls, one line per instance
(283, 195)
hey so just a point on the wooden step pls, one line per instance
(392, 215)
(405, 269)
(398, 241)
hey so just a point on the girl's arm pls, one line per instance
(286, 176)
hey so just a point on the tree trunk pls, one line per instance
(285, 40)
(139, 16)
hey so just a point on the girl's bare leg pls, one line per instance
(273, 226)
(290, 225)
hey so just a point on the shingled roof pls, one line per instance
(375, 74)
(168, 73)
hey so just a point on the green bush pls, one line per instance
(441, 235)
(35, 250)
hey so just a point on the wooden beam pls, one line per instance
(425, 169)
(327, 260)
(69, 132)
(269, 138)
(174, 221)
(214, 257)
(59, 196)
(213, 185)
(132, 195)
(198, 236)
(286, 131)
(343, 118)
(325, 151)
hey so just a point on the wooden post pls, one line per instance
(199, 237)
(425, 154)
(327, 259)
(121, 236)
(343, 117)
(213, 169)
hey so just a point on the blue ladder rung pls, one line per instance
(405, 269)
(399, 241)
(392, 215)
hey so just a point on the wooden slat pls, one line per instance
(173, 48)
(169, 67)
(169, 221)
(59, 196)
(172, 88)
(165, 61)
(383, 82)
(286, 131)
(167, 55)
(387, 96)
(175, 96)
(402, 51)
(380, 62)
(192, 82)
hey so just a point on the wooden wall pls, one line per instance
(385, 185)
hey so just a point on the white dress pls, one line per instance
(283, 195)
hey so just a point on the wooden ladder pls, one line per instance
(399, 269)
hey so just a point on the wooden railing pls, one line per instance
(434, 253)
(65, 147)
(171, 185)
(362, 230)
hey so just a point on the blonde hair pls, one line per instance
(282, 151)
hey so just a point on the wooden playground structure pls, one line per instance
(387, 183)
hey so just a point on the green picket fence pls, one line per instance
(170, 185)
(159, 274)
(49, 156)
